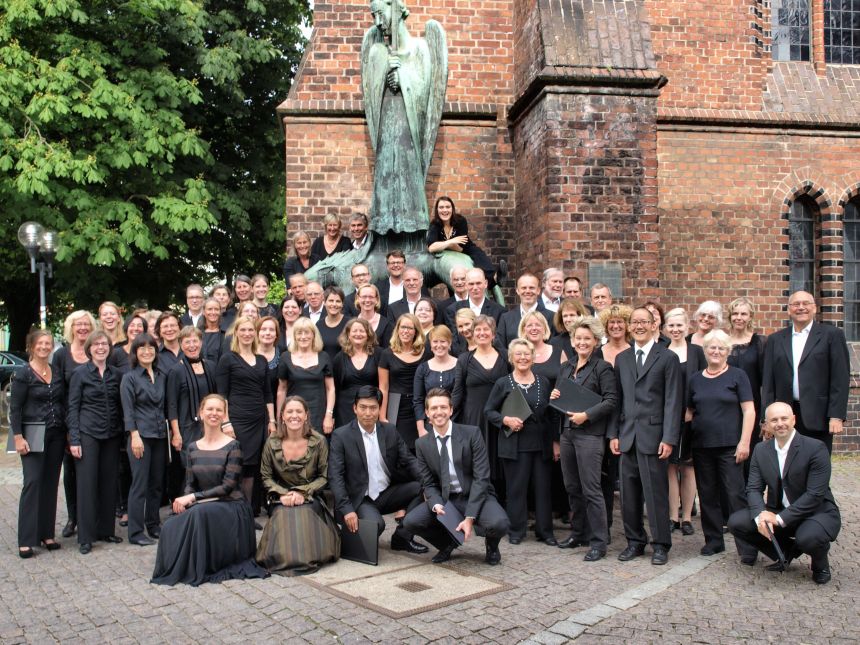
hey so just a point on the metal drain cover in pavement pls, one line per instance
(413, 587)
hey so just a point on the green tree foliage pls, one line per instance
(145, 132)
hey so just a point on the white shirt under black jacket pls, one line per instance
(377, 474)
(455, 483)
(798, 342)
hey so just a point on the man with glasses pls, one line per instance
(360, 276)
(643, 429)
(194, 299)
(806, 365)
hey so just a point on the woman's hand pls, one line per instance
(293, 498)
(577, 418)
(742, 452)
(513, 423)
(459, 240)
(272, 427)
(181, 503)
(21, 445)
(556, 451)
(554, 394)
(328, 424)
(136, 444)
(75, 451)
(227, 428)
(176, 441)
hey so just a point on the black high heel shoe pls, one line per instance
(51, 546)
(26, 552)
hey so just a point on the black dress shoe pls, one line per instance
(494, 556)
(821, 577)
(660, 556)
(712, 549)
(154, 532)
(594, 555)
(443, 555)
(550, 541)
(51, 546)
(515, 540)
(142, 541)
(85, 548)
(69, 528)
(631, 552)
(749, 560)
(674, 526)
(687, 528)
(111, 539)
(26, 552)
(411, 546)
(571, 543)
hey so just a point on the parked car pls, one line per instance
(9, 364)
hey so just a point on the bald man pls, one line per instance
(806, 365)
(476, 286)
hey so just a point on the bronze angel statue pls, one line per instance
(403, 82)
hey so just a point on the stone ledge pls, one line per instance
(751, 118)
(329, 107)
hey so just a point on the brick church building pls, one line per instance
(677, 150)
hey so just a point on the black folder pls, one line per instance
(34, 433)
(515, 405)
(361, 546)
(393, 407)
(574, 397)
(451, 520)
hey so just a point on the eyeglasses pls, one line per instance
(803, 303)
(103, 343)
(641, 323)
(361, 275)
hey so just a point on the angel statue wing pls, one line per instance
(374, 67)
(437, 43)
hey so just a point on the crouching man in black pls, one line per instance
(800, 511)
(371, 471)
(452, 460)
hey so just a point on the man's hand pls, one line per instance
(614, 447)
(439, 509)
(765, 519)
(664, 451)
(351, 521)
(836, 426)
(466, 527)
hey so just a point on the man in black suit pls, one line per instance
(371, 471)
(457, 278)
(643, 429)
(194, 299)
(553, 284)
(313, 307)
(806, 365)
(476, 285)
(462, 478)
(800, 510)
(528, 290)
(391, 289)
(413, 287)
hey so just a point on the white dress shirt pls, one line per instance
(476, 308)
(646, 349)
(315, 315)
(377, 474)
(455, 483)
(798, 342)
(550, 303)
(781, 454)
(395, 292)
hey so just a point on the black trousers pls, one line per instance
(719, 478)
(96, 475)
(394, 498)
(37, 508)
(70, 486)
(581, 460)
(528, 467)
(645, 480)
(492, 522)
(825, 437)
(807, 537)
(608, 478)
(147, 484)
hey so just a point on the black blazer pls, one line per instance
(384, 287)
(543, 417)
(597, 376)
(509, 322)
(824, 374)
(347, 463)
(650, 405)
(489, 308)
(806, 481)
(470, 463)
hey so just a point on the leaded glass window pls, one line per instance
(851, 281)
(801, 238)
(790, 29)
(842, 32)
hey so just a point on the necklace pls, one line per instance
(528, 386)
(718, 372)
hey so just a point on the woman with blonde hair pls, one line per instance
(109, 321)
(355, 365)
(464, 319)
(368, 302)
(570, 311)
(306, 371)
(332, 241)
(397, 367)
(438, 371)
(747, 353)
(708, 316)
(615, 319)
(302, 258)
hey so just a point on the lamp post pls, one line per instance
(41, 246)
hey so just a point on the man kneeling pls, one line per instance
(800, 511)
(452, 460)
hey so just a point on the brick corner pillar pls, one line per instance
(584, 138)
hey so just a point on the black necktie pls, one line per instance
(444, 465)
(640, 361)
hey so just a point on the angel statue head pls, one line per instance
(381, 12)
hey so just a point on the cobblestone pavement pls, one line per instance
(556, 597)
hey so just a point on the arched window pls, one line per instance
(801, 238)
(790, 30)
(851, 281)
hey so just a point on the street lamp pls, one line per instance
(41, 246)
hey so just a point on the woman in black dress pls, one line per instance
(243, 378)
(474, 376)
(76, 329)
(747, 353)
(188, 383)
(449, 231)
(142, 395)
(212, 541)
(682, 477)
(570, 311)
(94, 419)
(306, 371)
(267, 347)
(260, 292)
(438, 371)
(213, 336)
(303, 258)
(333, 322)
(332, 241)
(367, 299)
(526, 446)
(37, 400)
(463, 342)
(720, 408)
(222, 294)
(397, 367)
(355, 365)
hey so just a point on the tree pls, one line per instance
(145, 132)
